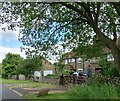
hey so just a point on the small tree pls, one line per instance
(29, 65)
(59, 66)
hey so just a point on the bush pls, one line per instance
(111, 71)
(104, 91)
(51, 75)
(108, 68)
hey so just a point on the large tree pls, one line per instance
(45, 24)
(10, 65)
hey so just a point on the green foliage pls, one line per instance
(29, 65)
(90, 51)
(0, 70)
(10, 65)
(46, 24)
(67, 72)
(103, 91)
(108, 68)
(59, 66)
(51, 75)
(43, 25)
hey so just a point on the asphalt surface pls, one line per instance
(9, 94)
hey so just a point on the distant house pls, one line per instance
(47, 68)
(71, 60)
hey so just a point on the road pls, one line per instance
(8, 94)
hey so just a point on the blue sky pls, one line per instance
(9, 43)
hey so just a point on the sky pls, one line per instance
(9, 43)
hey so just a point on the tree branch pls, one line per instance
(116, 6)
(114, 34)
(97, 14)
(73, 8)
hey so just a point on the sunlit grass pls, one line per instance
(49, 96)
(11, 81)
(26, 83)
(104, 91)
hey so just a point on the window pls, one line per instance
(69, 60)
(73, 60)
(79, 60)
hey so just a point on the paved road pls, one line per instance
(9, 94)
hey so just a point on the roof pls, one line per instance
(70, 55)
(106, 50)
(95, 65)
(48, 65)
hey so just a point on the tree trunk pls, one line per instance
(116, 54)
(110, 44)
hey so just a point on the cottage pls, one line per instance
(71, 60)
(47, 68)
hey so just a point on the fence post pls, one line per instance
(61, 80)
(74, 78)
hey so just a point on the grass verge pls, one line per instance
(10, 81)
(49, 96)
(26, 83)
(104, 91)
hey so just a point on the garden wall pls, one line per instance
(50, 79)
(67, 80)
(105, 79)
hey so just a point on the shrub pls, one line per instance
(51, 75)
(108, 68)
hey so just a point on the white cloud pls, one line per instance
(0, 35)
(5, 50)
(9, 34)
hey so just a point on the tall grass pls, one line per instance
(103, 91)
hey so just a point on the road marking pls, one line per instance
(16, 92)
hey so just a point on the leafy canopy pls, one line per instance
(74, 24)
(10, 65)
(29, 65)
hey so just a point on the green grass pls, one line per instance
(49, 96)
(10, 81)
(36, 85)
(26, 83)
(104, 91)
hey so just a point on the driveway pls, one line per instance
(9, 94)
